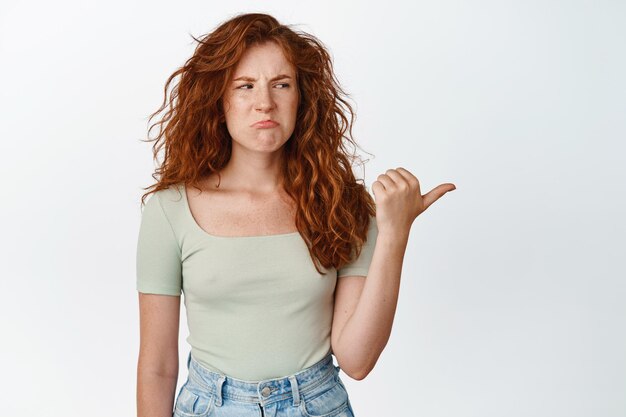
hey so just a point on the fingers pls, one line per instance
(410, 178)
(378, 188)
(386, 181)
(399, 178)
(436, 193)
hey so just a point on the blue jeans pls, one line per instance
(314, 391)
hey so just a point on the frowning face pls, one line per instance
(263, 88)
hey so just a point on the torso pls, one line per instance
(221, 212)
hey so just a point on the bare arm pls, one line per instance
(365, 308)
(157, 366)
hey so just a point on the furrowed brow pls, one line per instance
(246, 78)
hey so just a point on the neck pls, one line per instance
(252, 174)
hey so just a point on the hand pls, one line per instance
(399, 200)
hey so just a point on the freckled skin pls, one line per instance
(247, 102)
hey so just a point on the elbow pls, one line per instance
(356, 373)
(356, 364)
(356, 376)
(360, 374)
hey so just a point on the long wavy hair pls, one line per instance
(333, 208)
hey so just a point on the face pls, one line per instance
(263, 87)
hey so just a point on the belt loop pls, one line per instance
(218, 388)
(294, 390)
(188, 359)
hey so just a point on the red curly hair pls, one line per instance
(333, 209)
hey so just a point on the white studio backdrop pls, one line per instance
(513, 285)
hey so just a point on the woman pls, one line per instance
(258, 219)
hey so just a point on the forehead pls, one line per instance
(263, 59)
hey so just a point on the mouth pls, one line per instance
(264, 124)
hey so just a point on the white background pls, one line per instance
(512, 301)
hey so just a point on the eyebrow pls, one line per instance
(246, 78)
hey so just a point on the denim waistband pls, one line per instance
(266, 391)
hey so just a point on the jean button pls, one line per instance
(266, 391)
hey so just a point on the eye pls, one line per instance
(241, 87)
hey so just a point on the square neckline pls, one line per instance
(188, 213)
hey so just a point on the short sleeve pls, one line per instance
(360, 266)
(159, 269)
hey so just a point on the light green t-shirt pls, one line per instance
(256, 307)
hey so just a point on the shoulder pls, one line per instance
(166, 197)
(174, 192)
(166, 202)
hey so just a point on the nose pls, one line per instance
(263, 100)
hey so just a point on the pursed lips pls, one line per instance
(265, 123)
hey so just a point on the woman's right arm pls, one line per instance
(157, 367)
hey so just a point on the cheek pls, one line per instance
(234, 104)
(293, 104)
(234, 112)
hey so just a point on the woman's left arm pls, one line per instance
(365, 307)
